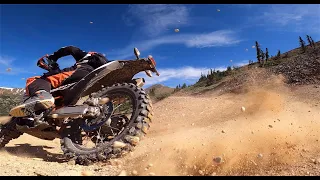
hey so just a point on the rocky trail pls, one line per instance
(276, 133)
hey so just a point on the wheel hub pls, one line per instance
(93, 124)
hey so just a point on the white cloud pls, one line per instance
(154, 19)
(299, 17)
(191, 74)
(213, 39)
(182, 74)
(6, 63)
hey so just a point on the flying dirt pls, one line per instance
(204, 134)
(275, 133)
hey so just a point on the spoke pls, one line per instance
(117, 107)
(123, 108)
(113, 128)
(98, 137)
(123, 113)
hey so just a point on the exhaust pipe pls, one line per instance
(73, 112)
(76, 111)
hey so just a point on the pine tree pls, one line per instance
(262, 55)
(313, 44)
(267, 54)
(278, 54)
(309, 40)
(184, 85)
(258, 52)
(302, 44)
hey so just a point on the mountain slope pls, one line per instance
(158, 92)
(9, 97)
(4, 90)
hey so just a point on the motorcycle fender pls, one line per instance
(102, 71)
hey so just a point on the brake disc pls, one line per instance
(93, 124)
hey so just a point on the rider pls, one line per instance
(38, 88)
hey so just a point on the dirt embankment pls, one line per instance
(277, 134)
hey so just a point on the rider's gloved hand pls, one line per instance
(54, 66)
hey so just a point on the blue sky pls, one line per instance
(210, 36)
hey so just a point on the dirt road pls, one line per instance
(277, 134)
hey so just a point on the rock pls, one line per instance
(223, 131)
(304, 150)
(71, 162)
(214, 174)
(270, 126)
(314, 161)
(18, 171)
(260, 155)
(133, 139)
(98, 169)
(123, 173)
(118, 144)
(192, 124)
(152, 174)
(134, 172)
(87, 173)
(217, 159)
(149, 165)
(201, 172)
(254, 162)
(40, 174)
(243, 109)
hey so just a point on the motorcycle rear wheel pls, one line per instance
(136, 127)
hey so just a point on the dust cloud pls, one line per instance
(212, 136)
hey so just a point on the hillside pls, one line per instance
(158, 92)
(9, 97)
(296, 67)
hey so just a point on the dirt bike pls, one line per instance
(103, 115)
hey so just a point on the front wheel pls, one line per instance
(119, 134)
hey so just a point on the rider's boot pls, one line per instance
(42, 100)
